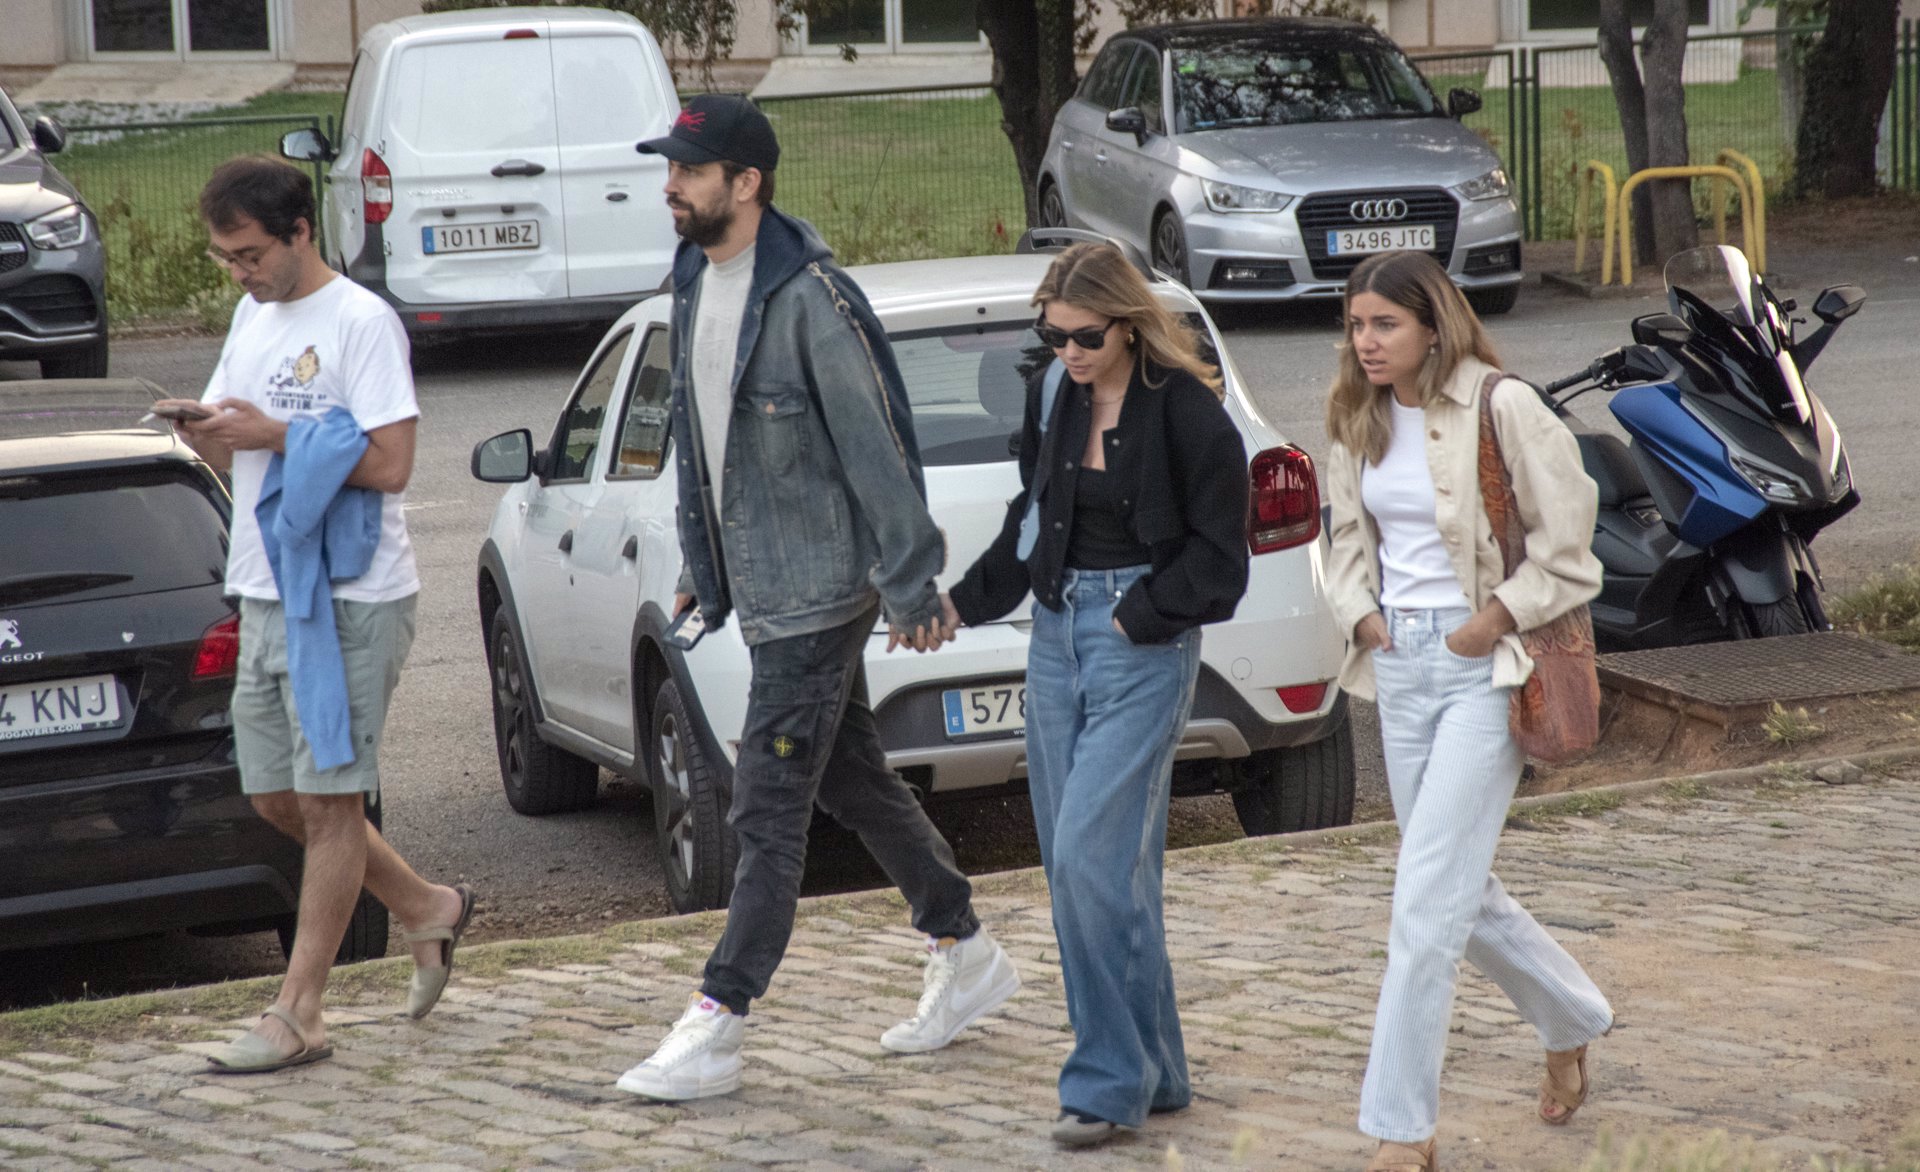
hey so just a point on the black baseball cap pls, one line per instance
(713, 128)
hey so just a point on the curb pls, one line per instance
(1718, 779)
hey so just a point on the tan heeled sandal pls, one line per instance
(1556, 1090)
(1393, 1157)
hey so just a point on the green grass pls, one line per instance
(1887, 607)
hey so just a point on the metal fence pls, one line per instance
(900, 174)
(143, 181)
(905, 174)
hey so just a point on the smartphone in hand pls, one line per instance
(182, 410)
(687, 627)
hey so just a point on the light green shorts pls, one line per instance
(271, 750)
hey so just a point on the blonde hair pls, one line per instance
(1359, 415)
(1096, 278)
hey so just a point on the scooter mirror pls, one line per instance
(1838, 303)
(1660, 329)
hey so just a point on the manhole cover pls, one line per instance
(1757, 671)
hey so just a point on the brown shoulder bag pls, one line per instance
(1555, 715)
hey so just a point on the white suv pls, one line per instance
(576, 581)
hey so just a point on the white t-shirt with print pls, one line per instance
(339, 346)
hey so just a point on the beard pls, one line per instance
(704, 227)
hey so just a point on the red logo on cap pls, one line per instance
(690, 120)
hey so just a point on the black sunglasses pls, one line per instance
(1091, 338)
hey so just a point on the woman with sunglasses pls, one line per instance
(1138, 480)
(1417, 581)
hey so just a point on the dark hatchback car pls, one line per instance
(53, 295)
(120, 805)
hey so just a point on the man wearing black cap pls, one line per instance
(802, 511)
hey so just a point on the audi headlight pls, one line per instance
(1492, 185)
(66, 228)
(1231, 197)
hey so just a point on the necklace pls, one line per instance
(1107, 402)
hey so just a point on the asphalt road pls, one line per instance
(444, 807)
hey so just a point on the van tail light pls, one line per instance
(521, 34)
(219, 653)
(376, 188)
(1285, 508)
(1303, 697)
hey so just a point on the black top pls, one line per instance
(1179, 467)
(1098, 538)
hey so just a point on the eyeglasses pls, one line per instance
(1090, 338)
(230, 262)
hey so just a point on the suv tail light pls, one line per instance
(376, 188)
(1285, 508)
(219, 653)
(1303, 697)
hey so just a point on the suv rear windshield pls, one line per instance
(1253, 82)
(73, 537)
(968, 387)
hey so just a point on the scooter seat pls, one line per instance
(1611, 465)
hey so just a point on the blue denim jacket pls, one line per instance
(823, 501)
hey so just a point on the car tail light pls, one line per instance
(521, 34)
(376, 188)
(219, 653)
(1303, 697)
(1285, 508)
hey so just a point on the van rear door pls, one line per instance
(612, 90)
(475, 158)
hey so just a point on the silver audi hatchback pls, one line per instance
(1261, 160)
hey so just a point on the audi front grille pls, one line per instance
(1321, 214)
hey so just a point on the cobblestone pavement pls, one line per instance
(1760, 945)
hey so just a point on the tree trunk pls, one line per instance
(1848, 75)
(1630, 99)
(1663, 52)
(1033, 76)
(1788, 64)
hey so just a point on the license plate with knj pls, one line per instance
(990, 708)
(479, 237)
(51, 707)
(1400, 237)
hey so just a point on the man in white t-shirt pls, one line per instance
(304, 342)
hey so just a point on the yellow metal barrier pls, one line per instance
(1696, 172)
(1757, 210)
(1582, 212)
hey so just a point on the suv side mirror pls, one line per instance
(1838, 303)
(306, 145)
(504, 459)
(1128, 120)
(1462, 102)
(49, 137)
(1661, 329)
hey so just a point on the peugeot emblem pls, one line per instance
(1367, 210)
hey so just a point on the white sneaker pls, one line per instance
(964, 982)
(700, 1057)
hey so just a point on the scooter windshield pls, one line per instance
(1730, 306)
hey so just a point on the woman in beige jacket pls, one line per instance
(1418, 583)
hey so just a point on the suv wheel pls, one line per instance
(366, 935)
(1170, 247)
(698, 852)
(1307, 787)
(88, 361)
(539, 778)
(1053, 210)
(1487, 302)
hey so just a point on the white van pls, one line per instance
(486, 173)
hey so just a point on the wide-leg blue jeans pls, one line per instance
(1104, 717)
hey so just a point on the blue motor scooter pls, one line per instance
(1707, 515)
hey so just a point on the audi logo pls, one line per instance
(1373, 210)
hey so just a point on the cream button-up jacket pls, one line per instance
(1557, 501)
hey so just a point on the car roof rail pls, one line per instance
(1060, 239)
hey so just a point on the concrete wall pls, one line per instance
(36, 33)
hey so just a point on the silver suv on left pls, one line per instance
(53, 273)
